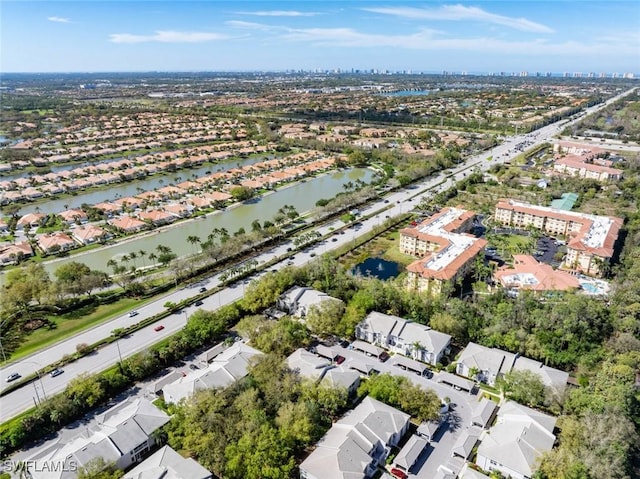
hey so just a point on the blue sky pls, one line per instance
(481, 36)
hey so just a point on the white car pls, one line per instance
(133, 313)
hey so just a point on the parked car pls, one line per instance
(56, 372)
(193, 367)
(399, 473)
(133, 313)
(383, 356)
(159, 327)
(13, 377)
(339, 359)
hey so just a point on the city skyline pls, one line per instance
(480, 37)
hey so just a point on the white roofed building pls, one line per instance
(225, 369)
(514, 445)
(357, 443)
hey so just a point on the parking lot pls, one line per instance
(456, 421)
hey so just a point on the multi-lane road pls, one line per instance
(393, 204)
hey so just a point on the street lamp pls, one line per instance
(44, 393)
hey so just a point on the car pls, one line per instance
(399, 473)
(56, 372)
(199, 303)
(386, 201)
(159, 327)
(133, 313)
(383, 356)
(193, 367)
(13, 377)
(334, 239)
(339, 359)
(202, 290)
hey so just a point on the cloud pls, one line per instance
(167, 36)
(461, 12)
(434, 40)
(280, 13)
(59, 19)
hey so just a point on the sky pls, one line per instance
(395, 35)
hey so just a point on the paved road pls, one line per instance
(396, 203)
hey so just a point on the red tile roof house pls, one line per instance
(89, 234)
(108, 208)
(157, 217)
(13, 253)
(55, 242)
(32, 219)
(73, 216)
(180, 210)
(527, 273)
(128, 224)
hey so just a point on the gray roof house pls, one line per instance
(323, 370)
(551, 377)
(168, 464)
(297, 300)
(403, 337)
(515, 443)
(465, 443)
(357, 443)
(122, 435)
(483, 413)
(308, 364)
(226, 368)
(488, 363)
(493, 363)
(410, 452)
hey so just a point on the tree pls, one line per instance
(242, 193)
(525, 387)
(324, 318)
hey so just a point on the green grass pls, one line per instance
(72, 323)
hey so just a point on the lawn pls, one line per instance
(385, 246)
(72, 323)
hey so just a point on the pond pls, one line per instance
(377, 268)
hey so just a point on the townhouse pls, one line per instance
(358, 443)
(404, 337)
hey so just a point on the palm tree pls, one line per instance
(132, 256)
(193, 240)
(142, 253)
(153, 257)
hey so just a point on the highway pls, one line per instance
(393, 204)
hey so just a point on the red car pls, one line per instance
(159, 327)
(399, 473)
(339, 359)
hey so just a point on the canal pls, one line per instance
(303, 196)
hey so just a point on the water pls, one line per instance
(377, 268)
(132, 188)
(409, 93)
(302, 196)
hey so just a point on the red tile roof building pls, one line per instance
(527, 273)
(590, 239)
(447, 252)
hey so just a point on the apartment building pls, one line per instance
(445, 248)
(591, 239)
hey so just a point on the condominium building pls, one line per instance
(446, 250)
(591, 239)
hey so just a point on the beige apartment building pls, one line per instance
(445, 248)
(590, 238)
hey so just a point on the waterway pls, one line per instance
(409, 93)
(303, 196)
(135, 187)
